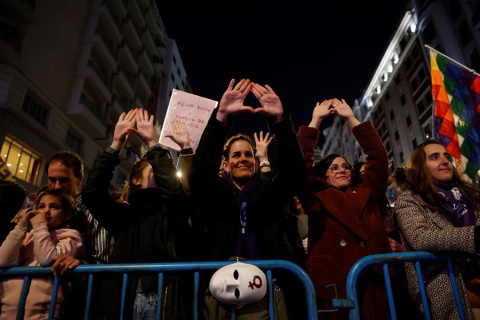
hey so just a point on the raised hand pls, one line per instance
(262, 144)
(271, 104)
(179, 134)
(232, 100)
(320, 112)
(145, 128)
(345, 112)
(125, 123)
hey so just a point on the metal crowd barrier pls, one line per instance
(196, 267)
(417, 258)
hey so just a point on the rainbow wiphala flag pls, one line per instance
(456, 112)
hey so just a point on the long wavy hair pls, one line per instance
(136, 173)
(418, 179)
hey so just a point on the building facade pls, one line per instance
(68, 69)
(398, 98)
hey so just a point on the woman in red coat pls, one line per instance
(345, 223)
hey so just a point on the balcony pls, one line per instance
(99, 83)
(127, 59)
(106, 53)
(145, 63)
(148, 42)
(88, 117)
(108, 28)
(123, 84)
(117, 9)
(136, 14)
(131, 34)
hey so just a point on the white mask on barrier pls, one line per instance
(238, 283)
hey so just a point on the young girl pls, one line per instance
(50, 236)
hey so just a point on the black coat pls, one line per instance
(219, 202)
(145, 230)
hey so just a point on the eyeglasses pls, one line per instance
(335, 168)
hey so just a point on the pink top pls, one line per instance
(35, 248)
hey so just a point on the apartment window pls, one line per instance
(414, 143)
(421, 106)
(402, 157)
(475, 60)
(409, 121)
(388, 147)
(427, 130)
(172, 77)
(428, 97)
(398, 79)
(429, 32)
(403, 99)
(21, 161)
(455, 10)
(387, 95)
(73, 141)
(421, 74)
(397, 135)
(392, 115)
(465, 34)
(34, 109)
(414, 84)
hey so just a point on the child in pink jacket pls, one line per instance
(38, 237)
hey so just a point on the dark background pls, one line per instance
(306, 51)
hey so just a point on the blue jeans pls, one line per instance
(145, 306)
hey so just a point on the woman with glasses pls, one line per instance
(440, 213)
(345, 222)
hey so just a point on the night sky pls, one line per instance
(307, 51)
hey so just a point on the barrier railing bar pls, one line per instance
(456, 294)
(159, 295)
(91, 270)
(423, 291)
(23, 297)
(53, 302)
(270, 295)
(196, 280)
(416, 257)
(124, 293)
(388, 284)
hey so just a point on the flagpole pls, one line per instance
(454, 61)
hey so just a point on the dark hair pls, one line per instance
(70, 160)
(66, 200)
(232, 139)
(12, 197)
(322, 166)
(418, 179)
(136, 173)
(356, 175)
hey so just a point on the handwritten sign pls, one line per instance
(190, 109)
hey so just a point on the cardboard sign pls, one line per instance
(190, 109)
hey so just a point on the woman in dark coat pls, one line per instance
(345, 222)
(145, 222)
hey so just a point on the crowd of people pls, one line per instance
(231, 204)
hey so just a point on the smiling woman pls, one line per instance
(345, 222)
(439, 212)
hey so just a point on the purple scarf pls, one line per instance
(247, 245)
(457, 205)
